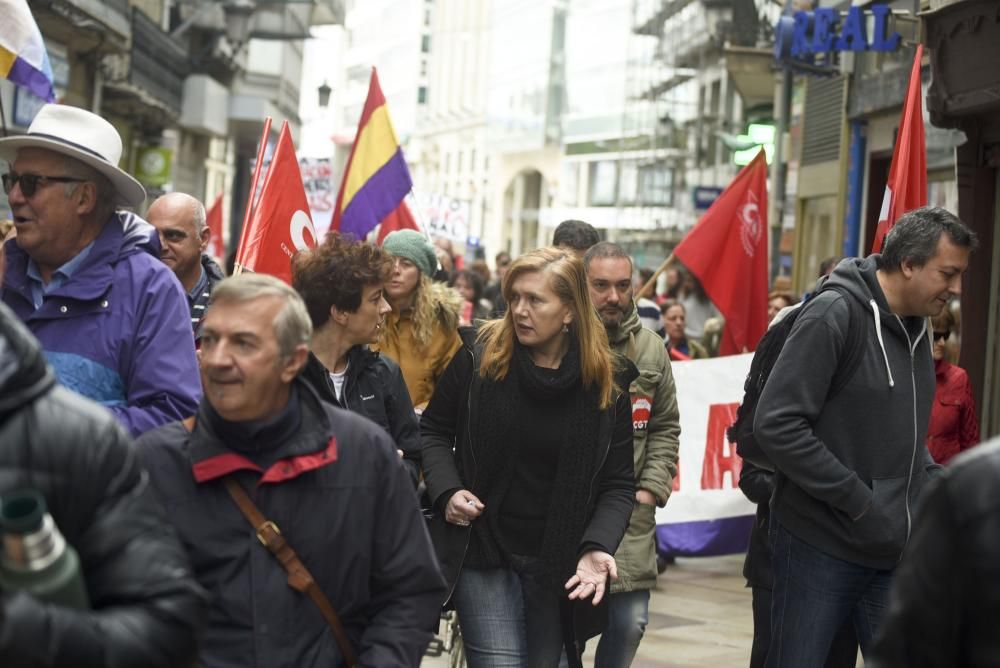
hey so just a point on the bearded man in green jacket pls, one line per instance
(657, 429)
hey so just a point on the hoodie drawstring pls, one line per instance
(881, 343)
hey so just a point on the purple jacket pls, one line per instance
(118, 331)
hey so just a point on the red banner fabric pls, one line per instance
(280, 224)
(213, 220)
(727, 251)
(907, 186)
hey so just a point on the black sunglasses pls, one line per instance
(941, 335)
(31, 182)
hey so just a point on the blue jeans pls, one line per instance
(628, 614)
(508, 618)
(814, 594)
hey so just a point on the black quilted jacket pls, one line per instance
(147, 607)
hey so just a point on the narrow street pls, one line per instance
(699, 617)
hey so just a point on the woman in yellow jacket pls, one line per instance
(421, 332)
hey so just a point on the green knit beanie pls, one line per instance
(414, 247)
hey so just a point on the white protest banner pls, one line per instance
(444, 217)
(316, 179)
(706, 488)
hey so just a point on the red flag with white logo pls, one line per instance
(907, 186)
(280, 224)
(213, 220)
(727, 251)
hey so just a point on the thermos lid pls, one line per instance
(22, 511)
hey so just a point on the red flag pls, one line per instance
(280, 224)
(907, 186)
(213, 220)
(400, 219)
(727, 252)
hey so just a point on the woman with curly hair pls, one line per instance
(527, 447)
(341, 282)
(421, 332)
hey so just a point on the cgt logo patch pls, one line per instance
(641, 406)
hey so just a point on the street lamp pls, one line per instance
(238, 14)
(324, 94)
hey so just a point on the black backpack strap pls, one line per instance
(854, 348)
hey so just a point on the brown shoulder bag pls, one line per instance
(299, 577)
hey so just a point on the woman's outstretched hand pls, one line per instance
(462, 508)
(592, 573)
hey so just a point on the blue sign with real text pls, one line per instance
(806, 34)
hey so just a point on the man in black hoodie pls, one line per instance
(850, 465)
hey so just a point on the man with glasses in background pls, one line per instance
(86, 278)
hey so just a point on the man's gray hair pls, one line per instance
(915, 237)
(106, 193)
(198, 216)
(604, 249)
(292, 325)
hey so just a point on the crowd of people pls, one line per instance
(261, 474)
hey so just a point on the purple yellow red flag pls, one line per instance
(23, 59)
(376, 178)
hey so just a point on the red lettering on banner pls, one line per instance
(720, 453)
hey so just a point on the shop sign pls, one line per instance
(705, 196)
(824, 30)
(153, 166)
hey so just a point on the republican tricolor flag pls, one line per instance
(376, 179)
(23, 58)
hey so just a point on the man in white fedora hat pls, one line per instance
(86, 278)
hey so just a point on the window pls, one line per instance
(628, 185)
(425, 44)
(602, 183)
(422, 95)
(656, 185)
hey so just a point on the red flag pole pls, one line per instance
(253, 192)
(652, 279)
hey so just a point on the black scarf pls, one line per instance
(497, 434)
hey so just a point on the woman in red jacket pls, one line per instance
(954, 426)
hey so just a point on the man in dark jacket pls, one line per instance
(850, 467)
(329, 480)
(86, 278)
(184, 235)
(944, 604)
(147, 607)
(341, 282)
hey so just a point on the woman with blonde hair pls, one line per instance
(421, 332)
(527, 452)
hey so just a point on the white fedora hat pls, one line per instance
(83, 136)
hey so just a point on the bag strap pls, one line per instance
(299, 577)
(854, 345)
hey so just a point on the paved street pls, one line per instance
(699, 618)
